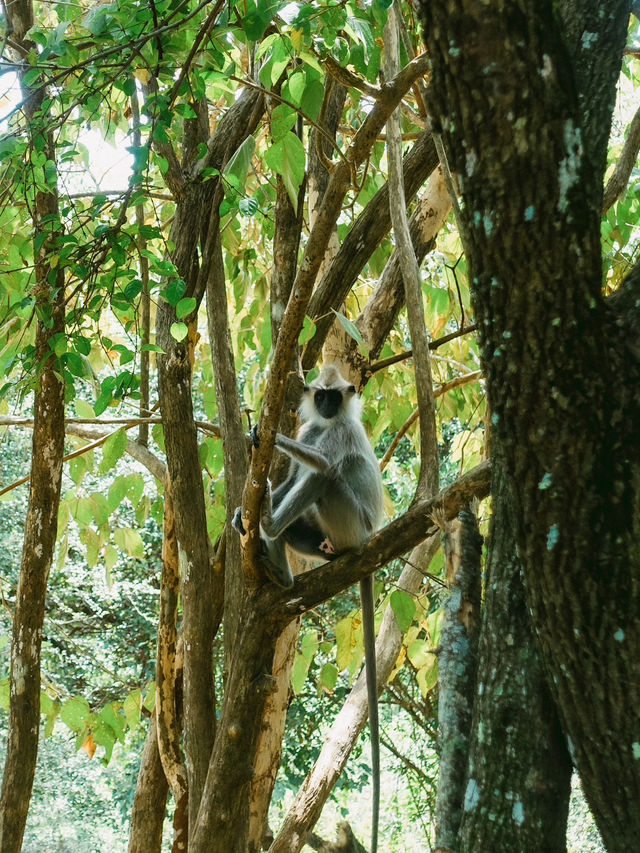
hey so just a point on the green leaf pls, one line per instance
(174, 291)
(240, 163)
(307, 332)
(150, 699)
(345, 640)
(309, 644)
(91, 540)
(404, 608)
(283, 119)
(50, 710)
(350, 328)
(297, 83)
(427, 676)
(117, 492)
(104, 736)
(299, 673)
(185, 307)
(135, 488)
(81, 511)
(5, 692)
(248, 206)
(312, 97)
(113, 448)
(83, 409)
(110, 559)
(132, 706)
(420, 652)
(287, 158)
(78, 467)
(434, 626)
(129, 541)
(111, 717)
(75, 713)
(329, 677)
(179, 331)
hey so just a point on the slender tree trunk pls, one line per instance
(168, 718)
(37, 555)
(150, 801)
(44, 490)
(185, 476)
(457, 668)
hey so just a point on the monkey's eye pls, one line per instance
(351, 389)
(306, 389)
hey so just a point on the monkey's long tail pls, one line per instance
(369, 636)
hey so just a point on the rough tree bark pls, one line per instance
(168, 727)
(519, 773)
(46, 471)
(321, 779)
(150, 801)
(183, 461)
(457, 667)
(267, 612)
(523, 93)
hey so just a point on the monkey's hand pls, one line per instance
(253, 435)
(237, 521)
(326, 547)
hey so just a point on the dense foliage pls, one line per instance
(130, 91)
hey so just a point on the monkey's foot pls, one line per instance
(326, 547)
(237, 521)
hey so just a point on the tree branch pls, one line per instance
(398, 537)
(293, 319)
(428, 477)
(359, 244)
(617, 183)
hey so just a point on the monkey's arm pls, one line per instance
(291, 506)
(305, 454)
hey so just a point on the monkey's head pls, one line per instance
(330, 397)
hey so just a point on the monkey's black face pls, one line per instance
(328, 402)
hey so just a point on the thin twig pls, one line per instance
(433, 345)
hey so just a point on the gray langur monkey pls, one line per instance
(330, 501)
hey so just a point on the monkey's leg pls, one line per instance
(274, 559)
(290, 506)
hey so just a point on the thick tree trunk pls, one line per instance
(524, 101)
(46, 477)
(519, 775)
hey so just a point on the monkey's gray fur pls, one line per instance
(331, 501)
